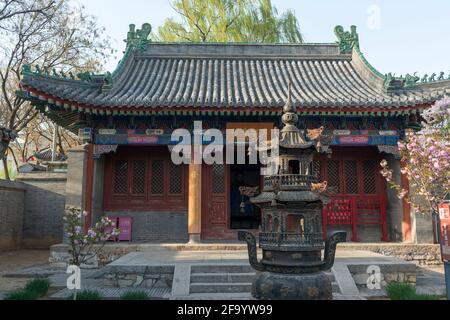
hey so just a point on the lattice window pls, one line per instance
(139, 175)
(316, 169)
(369, 176)
(218, 178)
(121, 177)
(351, 177)
(176, 179)
(157, 177)
(333, 175)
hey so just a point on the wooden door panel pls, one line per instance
(215, 201)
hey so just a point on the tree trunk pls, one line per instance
(5, 167)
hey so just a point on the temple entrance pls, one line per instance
(243, 214)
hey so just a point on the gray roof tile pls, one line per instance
(231, 75)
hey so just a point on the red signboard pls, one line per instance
(354, 140)
(444, 214)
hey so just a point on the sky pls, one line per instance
(398, 36)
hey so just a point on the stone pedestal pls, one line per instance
(277, 286)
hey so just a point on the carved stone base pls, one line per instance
(276, 286)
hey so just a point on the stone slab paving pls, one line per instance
(181, 280)
(431, 280)
(115, 293)
(37, 271)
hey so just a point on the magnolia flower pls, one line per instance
(402, 194)
(78, 229)
(91, 233)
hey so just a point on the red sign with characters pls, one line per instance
(444, 214)
(354, 140)
(145, 140)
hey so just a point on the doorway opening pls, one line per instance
(244, 214)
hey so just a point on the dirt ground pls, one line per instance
(14, 260)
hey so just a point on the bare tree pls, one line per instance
(60, 36)
(12, 8)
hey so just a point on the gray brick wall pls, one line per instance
(12, 199)
(44, 208)
(157, 226)
(424, 228)
(395, 205)
(364, 233)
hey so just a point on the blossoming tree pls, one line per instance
(85, 246)
(425, 158)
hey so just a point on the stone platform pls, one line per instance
(420, 254)
(220, 274)
(168, 273)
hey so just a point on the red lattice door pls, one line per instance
(359, 190)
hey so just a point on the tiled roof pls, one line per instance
(180, 75)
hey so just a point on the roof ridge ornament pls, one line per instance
(347, 40)
(138, 38)
(392, 82)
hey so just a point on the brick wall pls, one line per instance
(12, 199)
(157, 226)
(44, 208)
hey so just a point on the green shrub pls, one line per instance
(88, 295)
(135, 295)
(400, 291)
(22, 295)
(404, 291)
(34, 289)
(38, 286)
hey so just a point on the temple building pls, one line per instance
(125, 119)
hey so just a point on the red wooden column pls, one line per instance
(195, 202)
(406, 222)
(89, 186)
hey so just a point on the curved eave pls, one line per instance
(74, 106)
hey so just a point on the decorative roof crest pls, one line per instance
(347, 39)
(138, 38)
(392, 82)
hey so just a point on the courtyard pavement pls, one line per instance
(16, 268)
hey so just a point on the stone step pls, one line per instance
(221, 277)
(216, 296)
(211, 287)
(222, 268)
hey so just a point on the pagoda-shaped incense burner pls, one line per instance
(291, 236)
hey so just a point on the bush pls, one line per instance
(88, 295)
(38, 286)
(22, 295)
(135, 295)
(404, 291)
